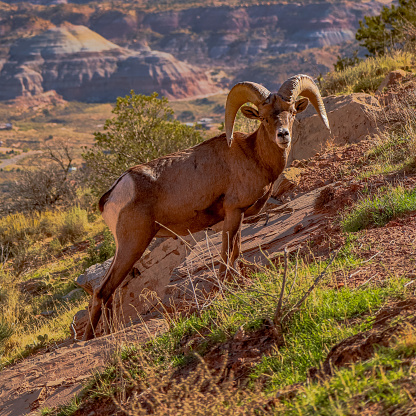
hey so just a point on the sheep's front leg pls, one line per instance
(259, 204)
(231, 236)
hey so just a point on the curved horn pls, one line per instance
(240, 94)
(304, 85)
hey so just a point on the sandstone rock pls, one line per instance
(392, 78)
(48, 314)
(349, 119)
(145, 285)
(73, 294)
(262, 238)
(92, 276)
(81, 65)
(288, 180)
(33, 287)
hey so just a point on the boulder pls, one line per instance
(90, 280)
(33, 287)
(349, 118)
(263, 238)
(392, 78)
(146, 283)
(287, 181)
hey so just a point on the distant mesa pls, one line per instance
(81, 65)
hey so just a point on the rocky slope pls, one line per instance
(307, 222)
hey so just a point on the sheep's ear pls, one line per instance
(301, 105)
(250, 112)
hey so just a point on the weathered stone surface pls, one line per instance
(33, 286)
(145, 285)
(81, 65)
(349, 118)
(392, 78)
(92, 276)
(260, 242)
(288, 180)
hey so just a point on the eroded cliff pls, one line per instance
(82, 65)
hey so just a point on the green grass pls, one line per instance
(22, 312)
(322, 323)
(382, 381)
(377, 210)
(32, 251)
(392, 153)
(328, 316)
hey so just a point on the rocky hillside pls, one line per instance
(260, 42)
(357, 326)
(81, 65)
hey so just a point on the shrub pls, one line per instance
(74, 225)
(102, 252)
(142, 129)
(47, 185)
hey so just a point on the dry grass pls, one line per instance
(367, 75)
(35, 275)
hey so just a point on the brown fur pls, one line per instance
(191, 190)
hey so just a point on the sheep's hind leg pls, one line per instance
(132, 243)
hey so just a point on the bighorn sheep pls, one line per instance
(223, 178)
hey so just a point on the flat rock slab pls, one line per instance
(52, 378)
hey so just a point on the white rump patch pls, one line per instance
(121, 195)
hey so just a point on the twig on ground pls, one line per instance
(367, 281)
(308, 292)
(278, 311)
(371, 258)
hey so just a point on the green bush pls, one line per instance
(142, 129)
(102, 252)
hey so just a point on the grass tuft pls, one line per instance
(377, 210)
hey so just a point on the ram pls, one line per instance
(222, 179)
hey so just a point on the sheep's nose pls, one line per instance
(283, 133)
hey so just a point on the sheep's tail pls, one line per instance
(105, 197)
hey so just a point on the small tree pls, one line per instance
(389, 29)
(143, 129)
(48, 185)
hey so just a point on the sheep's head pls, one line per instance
(276, 111)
